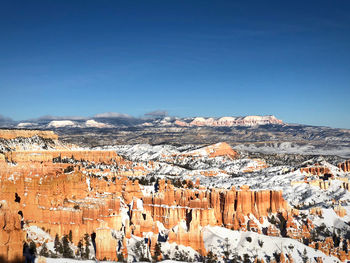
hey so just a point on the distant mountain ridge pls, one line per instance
(114, 121)
(232, 121)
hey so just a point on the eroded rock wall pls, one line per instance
(12, 134)
(11, 234)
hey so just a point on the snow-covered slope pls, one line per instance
(60, 124)
(219, 239)
(294, 148)
(25, 124)
(34, 143)
(95, 124)
(316, 192)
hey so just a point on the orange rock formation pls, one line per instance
(82, 202)
(11, 234)
(221, 149)
(12, 134)
(345, 166)
(315, 170)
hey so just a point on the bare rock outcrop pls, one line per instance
(11, 234)
(12, 134)
(344, 166)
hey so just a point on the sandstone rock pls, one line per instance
(12, 134)
(106, 245)
(82, 203)
(315, 170)
(11, 234)
(345, 166)
(340, 211)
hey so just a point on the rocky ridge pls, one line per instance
(231, 121)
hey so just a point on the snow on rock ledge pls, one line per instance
(59, 124)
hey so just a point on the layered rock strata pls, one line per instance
(89, 192)
(12, 134)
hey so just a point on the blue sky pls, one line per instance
(191, 58)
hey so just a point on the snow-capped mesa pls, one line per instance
(95, 124)
(200, 121)
(147, 124)
(25, 124)
(226, 121)
(232, 121)
(59, 124)
(116, 120)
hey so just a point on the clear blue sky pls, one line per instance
(192, 58)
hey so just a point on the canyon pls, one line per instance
(154, 200)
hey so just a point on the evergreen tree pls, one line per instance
(58, 245)
(246, 258)
(70, 236)
(44, 251)
(120, 257)
(227, 250)
(80, 250)
(67, 251)
(304, 256)
(32, 247)
(282, 224)
(87, 245)
(210, 258)
(140, 251)
(157, 252)
(336, 239)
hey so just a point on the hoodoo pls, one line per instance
(101, 197)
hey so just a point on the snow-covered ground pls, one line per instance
(192, 162)
(256, 245)
(293, 148)
(177, 162)
(96, 124)
(67, 260)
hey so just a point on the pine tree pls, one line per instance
(246, 258)
(58, 245)
(210, 258)
(227, 250)
(80, 250)
(140, 251)
(157, 252)
(44, 251)
(32, 247)
(67, 251)
(120, 257)
(87, 244)
(304, 256)
(70, 236)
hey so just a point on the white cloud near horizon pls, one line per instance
(112, 115)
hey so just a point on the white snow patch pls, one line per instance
(257, 245)
(25, 124)
(95, 124)
(59, 124)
